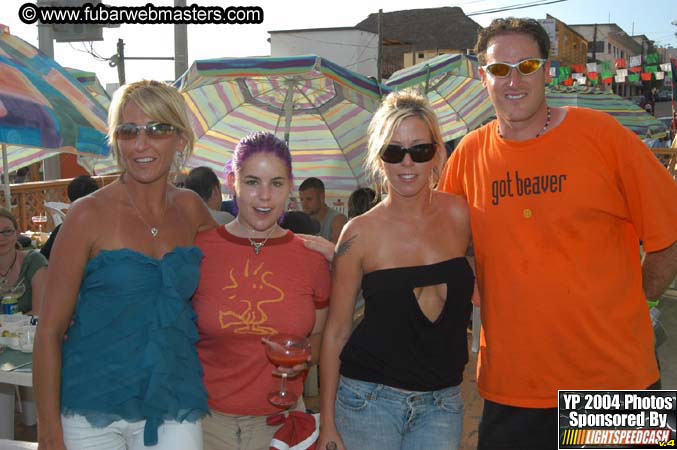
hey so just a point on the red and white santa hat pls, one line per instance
(299, 432)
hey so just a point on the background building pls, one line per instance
(349, 47)
(416, 35)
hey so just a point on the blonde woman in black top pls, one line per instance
(394, 382)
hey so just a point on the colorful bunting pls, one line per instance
(607, 74)
(659, 75)
(635, 69)
(553, 71)
(594, 81)
(565, 70)
(592, 75)
(652, 58)
(635, 61)
(606, 65)
(579, 68)
(646, 76)
(622, 72)
(569, 82)
(633, 77)
(592, 67)
(651, 69)
(619, 79)
(582, 80)
(665, 67)
(620, 63)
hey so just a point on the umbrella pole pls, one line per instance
(5, 178)
(288, 109)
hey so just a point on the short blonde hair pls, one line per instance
(396, 107)
(158, 100)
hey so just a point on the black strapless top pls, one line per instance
(396, 344)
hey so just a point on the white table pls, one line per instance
(8, 380)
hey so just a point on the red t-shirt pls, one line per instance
(242, 297)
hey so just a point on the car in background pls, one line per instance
(664, 95)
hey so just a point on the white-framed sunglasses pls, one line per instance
(527, 66)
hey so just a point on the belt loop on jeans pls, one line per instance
(373, 395)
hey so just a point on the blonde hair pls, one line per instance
(396, 107)
(157, 100)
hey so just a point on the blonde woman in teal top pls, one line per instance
(124, 268)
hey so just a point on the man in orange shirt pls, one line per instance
(559, 199)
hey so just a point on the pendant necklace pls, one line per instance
(256, 245)
(3, 276)
(153, 230)
(545, 127)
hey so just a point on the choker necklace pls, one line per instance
(153, 230)
(3, 276)
(545, 127)
(257, 245)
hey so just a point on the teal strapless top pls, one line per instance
(130, 353)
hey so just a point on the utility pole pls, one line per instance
(594, 45)
(180, 45)
(121, 62)
(51, 167)
(379, 56)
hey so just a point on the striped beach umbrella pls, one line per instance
(91, 83)
(20, 156)
(44, 107)
(320, 109)
(454, 89)
(626, 112)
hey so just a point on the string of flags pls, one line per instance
(619, 70)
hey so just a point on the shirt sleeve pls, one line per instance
(452, 179)
(34, 262)
(650, 192)
(321, 279)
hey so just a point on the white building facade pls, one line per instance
(349, 47)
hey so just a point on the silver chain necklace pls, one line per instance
(545, 127)
(153, 230)
(256, 245)
(3, 276)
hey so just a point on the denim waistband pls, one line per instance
(374, 390)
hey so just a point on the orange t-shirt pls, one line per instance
(556, 223)
(242, 297)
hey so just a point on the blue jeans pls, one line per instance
(373, 416)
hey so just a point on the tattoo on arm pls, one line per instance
(344, 246)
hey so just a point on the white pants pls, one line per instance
(78, 434)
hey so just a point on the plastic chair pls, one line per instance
(57, 210)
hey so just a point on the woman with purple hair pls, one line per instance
(257, 280)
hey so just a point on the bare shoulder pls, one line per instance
(91, 209)
(192, 206)
(353, 236)
(453, 206)
(184, 197)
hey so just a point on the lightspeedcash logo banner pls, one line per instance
(617, 419)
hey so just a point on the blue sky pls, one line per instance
(650, 17)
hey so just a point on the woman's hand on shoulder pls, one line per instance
(319, 244)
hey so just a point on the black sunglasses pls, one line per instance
(153, 130)
(419, 153)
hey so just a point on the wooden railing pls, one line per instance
(28, 199)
